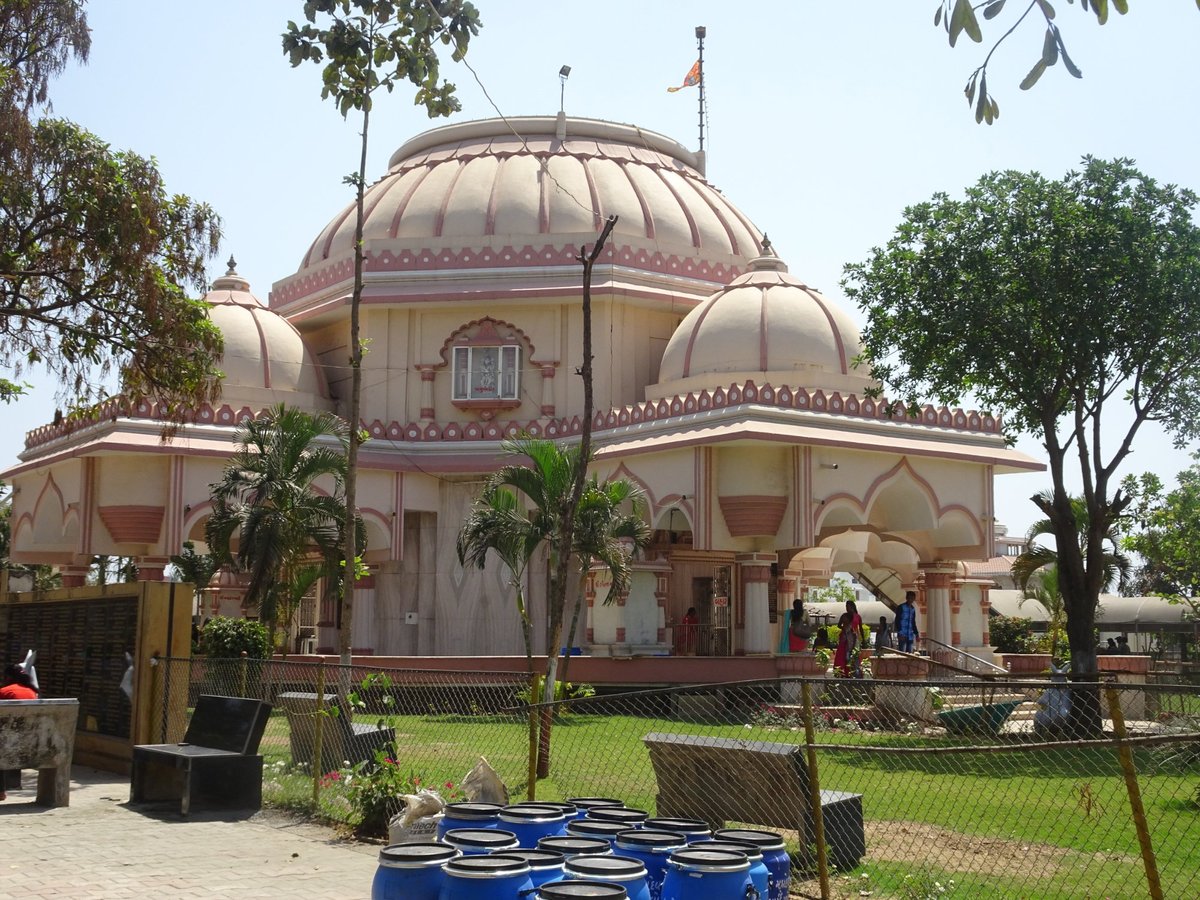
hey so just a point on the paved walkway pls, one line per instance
(101, 847)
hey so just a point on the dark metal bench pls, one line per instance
(723, 780)
(215, 765)
(342, 740)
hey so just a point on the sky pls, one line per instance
(825, 120)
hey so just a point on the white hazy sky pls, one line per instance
(826, 119)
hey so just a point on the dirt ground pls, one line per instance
(942, 850)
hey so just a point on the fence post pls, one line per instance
(814, 790)
(1125, 755)
(531, 792)
(242, 674)
(319, 722)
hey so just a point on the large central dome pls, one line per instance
(527, 193)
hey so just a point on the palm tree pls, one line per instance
(269, 520)
(1042, 586)
(1038, 556)
(498, 523)
(514, 530)
(608, 521)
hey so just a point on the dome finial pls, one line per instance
(767, 249)
(233, 265)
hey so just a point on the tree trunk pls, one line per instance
(1080, 594)
(581, 592)
(558, 582)
(354, 414)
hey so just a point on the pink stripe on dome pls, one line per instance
(440, 220)
(647, 216)
(764, 356)
(597, 206)
(380, 191)
(687, 356)
(543, 198)
(489, 222)
(707, 200)
(421, 175)
(687, 213)
(837, 335)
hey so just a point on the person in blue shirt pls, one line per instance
(906, 623)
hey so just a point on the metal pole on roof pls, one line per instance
(701, 31)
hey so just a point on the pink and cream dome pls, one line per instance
(524, 194)
(764, 326)
(265, 360)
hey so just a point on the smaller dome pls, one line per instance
(265, 360)
(765, 325)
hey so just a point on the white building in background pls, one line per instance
(724, 386)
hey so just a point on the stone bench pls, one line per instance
(40, 734)
(723, 780)
(215, 765)
(342, 740)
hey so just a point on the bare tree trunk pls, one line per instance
(346, 608)
(557, 600)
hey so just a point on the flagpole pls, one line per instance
(701, 31)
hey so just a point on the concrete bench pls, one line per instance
(342, 740)
(215, 765)
(40, 734)
(723, 780)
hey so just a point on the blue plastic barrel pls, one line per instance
(623, 870)
(468, 815)
(544, 865)
(595, 828)
(477, 841)
(495, 877)
(583, 804)
(573, 845)
(775, 855)
(531, 822)
(653, 848)
(570, 890)
(694, 830)
(411, 871)
(698, 874)
(633, 818)
(759, 875)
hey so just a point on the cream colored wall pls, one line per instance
(55, 524)
(628, 339)
(970, 617)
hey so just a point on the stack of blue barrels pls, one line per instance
(586, 847)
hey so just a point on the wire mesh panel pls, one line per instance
(925, 789)
(907, 788)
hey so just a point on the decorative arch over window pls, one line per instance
(485, 359)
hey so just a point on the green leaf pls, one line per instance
(1047, 9)
(993, 9)
(1101, 9)
(1050, 48)
(1034, 74)
(1071, 67)
(1121, 6)
(937, 16)
(982, 103)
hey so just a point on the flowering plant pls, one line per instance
(376, 789)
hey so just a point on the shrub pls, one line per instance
(226, 637)
(1011, 634)
(374, 790)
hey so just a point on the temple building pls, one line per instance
(724, 386)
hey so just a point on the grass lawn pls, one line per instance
(1049, 823)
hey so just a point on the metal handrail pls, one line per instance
(1001, 669)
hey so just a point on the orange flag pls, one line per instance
(690, 80)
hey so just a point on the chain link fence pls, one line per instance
(910, 789)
